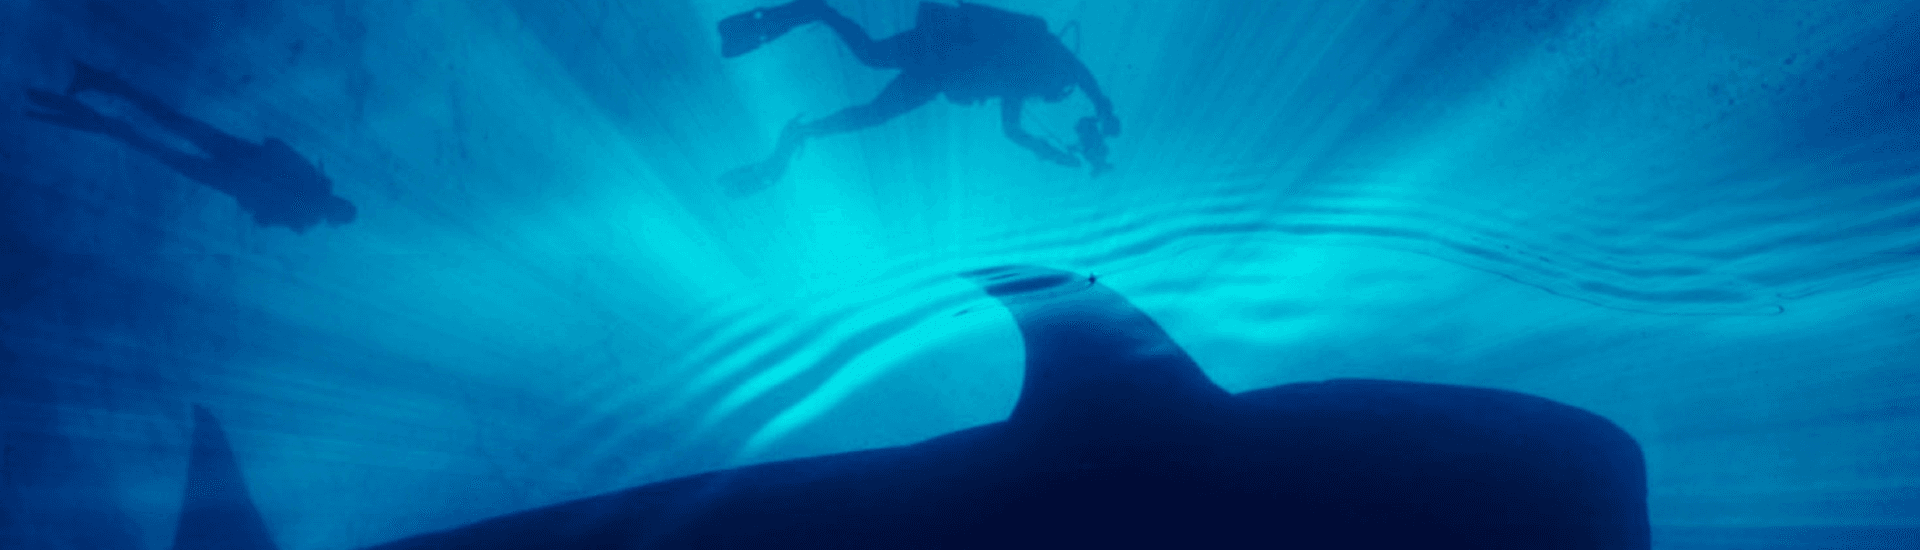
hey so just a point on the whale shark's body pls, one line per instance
(1120, 441)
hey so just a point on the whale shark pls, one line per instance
(1118, 440)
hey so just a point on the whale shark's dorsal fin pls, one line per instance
(216, 513)
(1093, 359)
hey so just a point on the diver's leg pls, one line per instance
(879, 54)
(69, 112)
(906, 93)
(214, 142)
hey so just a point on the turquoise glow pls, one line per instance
(1700, 219)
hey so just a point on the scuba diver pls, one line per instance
(969, 53)
(269, 180)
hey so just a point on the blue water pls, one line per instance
(1699, 219)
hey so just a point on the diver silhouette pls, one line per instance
(268, 180)
(969, 53)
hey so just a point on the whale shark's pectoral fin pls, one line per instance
(1093, 358)
(216, 512)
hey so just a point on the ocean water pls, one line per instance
(1699, 219)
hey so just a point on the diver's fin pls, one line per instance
(1093, 359)
(746, 31)
(752, 178)
(216, 513)
(66, 111)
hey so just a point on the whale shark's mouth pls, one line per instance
(1009, 281)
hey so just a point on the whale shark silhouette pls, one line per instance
(1118, 440)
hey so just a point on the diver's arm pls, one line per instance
(1102, 107)
(1010, 123)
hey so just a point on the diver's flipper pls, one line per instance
(746, 31)
(65, 111)
(753, 178)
